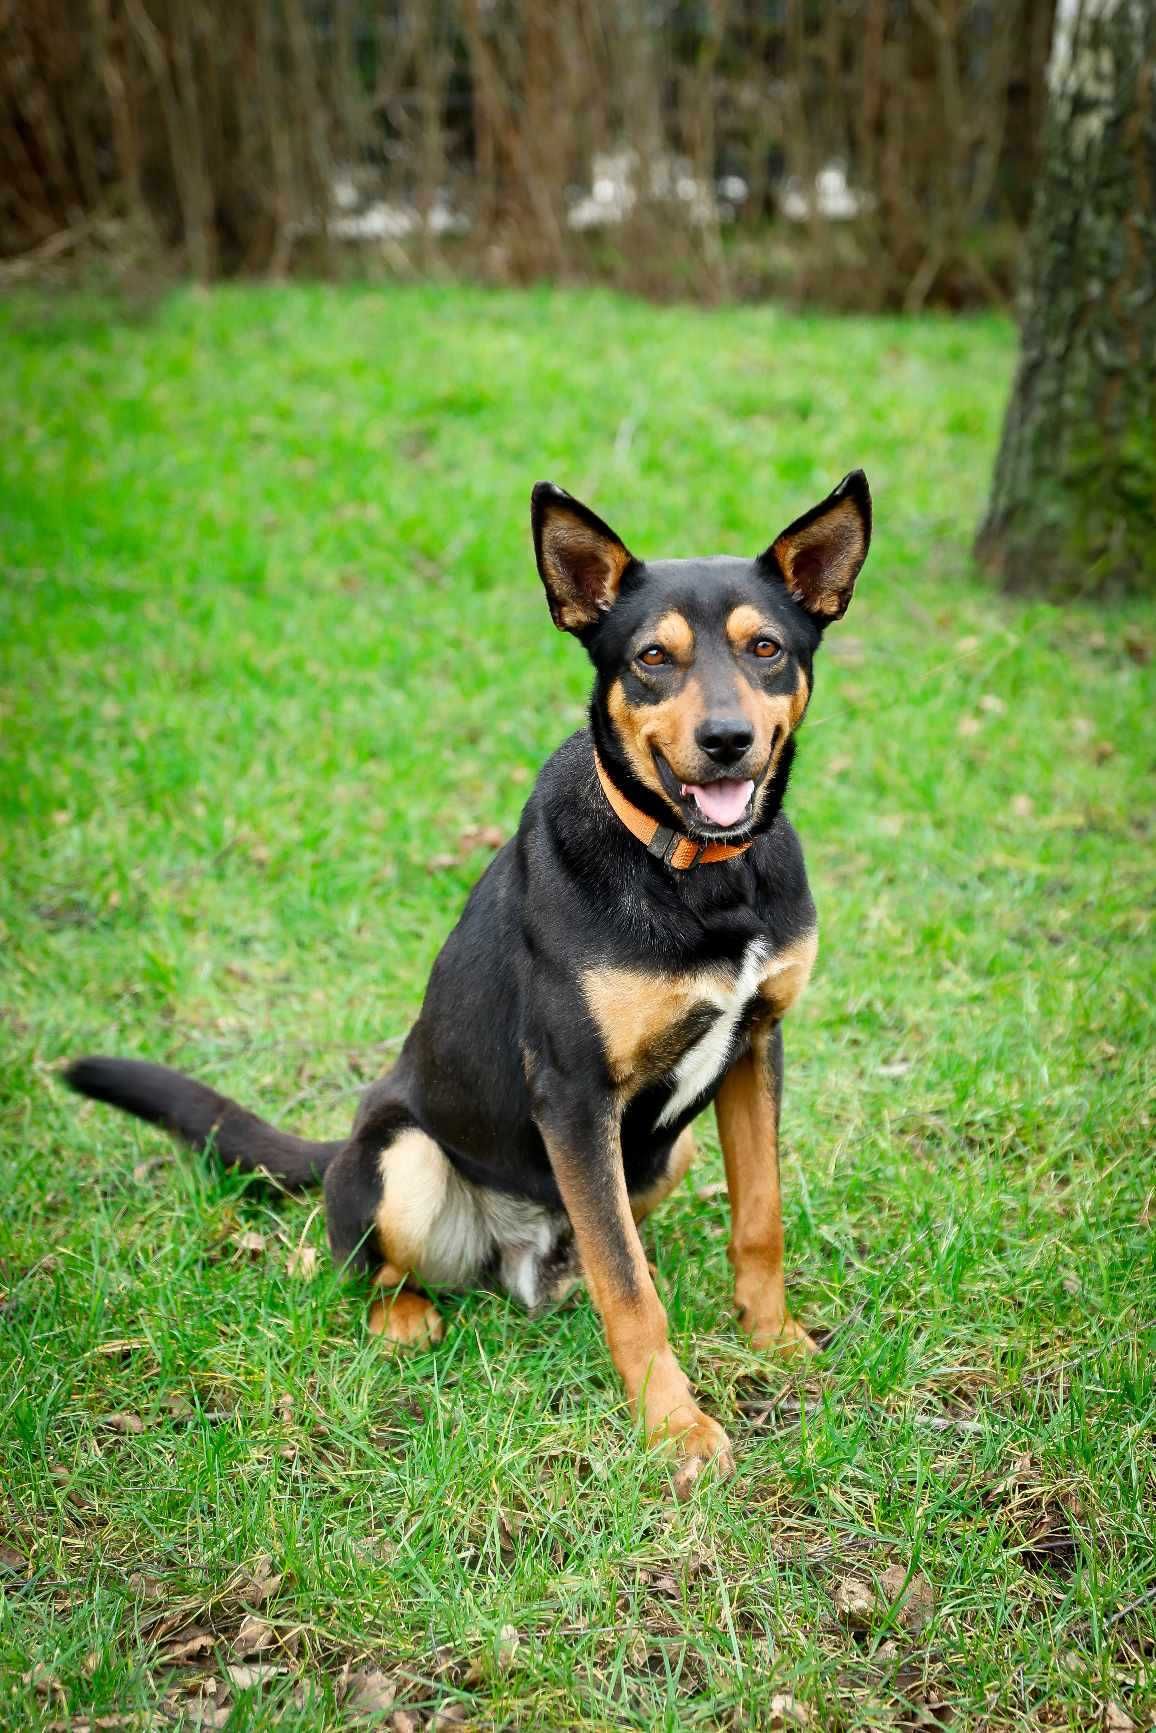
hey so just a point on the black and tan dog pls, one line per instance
(627, 958)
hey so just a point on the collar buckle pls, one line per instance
(663, 844)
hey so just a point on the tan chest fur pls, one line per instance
(649, 1022)
(788, 972)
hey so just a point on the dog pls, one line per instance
(627, 958)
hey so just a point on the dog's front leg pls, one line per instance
(747, 1109)
(586, 1157)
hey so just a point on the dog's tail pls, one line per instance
(200, 1117)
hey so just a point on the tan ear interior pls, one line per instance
(583, 569)
(821, 561)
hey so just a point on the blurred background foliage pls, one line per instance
(868, 154)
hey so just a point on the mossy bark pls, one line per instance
(1073, 500)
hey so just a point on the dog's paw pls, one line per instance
(781, 1335)
(702, 1445)
(406, 1320)
(675, 1423)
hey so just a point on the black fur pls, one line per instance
(202, 1118)
(505, 1055)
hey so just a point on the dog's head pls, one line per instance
(704, 665)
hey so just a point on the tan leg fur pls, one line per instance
(748, 1123)
(633, 1317)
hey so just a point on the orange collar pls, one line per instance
(667, 845)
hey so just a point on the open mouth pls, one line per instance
(719, 805)
(723, 803)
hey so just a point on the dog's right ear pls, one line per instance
(580, 559)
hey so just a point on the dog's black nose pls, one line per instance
(724, 738)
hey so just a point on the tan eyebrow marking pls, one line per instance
(676, 635)
(743, 624)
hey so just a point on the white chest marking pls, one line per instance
(701, 1064)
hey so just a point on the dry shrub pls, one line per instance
(666, 147)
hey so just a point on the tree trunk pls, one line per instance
(1073, 499)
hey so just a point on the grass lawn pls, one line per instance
(275, 651)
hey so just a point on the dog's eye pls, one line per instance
(766, 647)
(654, 656)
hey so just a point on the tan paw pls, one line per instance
(700, 1446)
(698, 1441)
(781, 1335)
(408, 1320)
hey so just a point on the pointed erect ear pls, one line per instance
(580, 559)
(820, 554)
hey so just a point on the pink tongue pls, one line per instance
(724, 803)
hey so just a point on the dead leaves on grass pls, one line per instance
(410, 1695)
(245, 1674)
(203, 1696)
(192, 1646)
(11, 1560)
(250, 1243)
(787, 1711)
(416, 1694)
(255, 1637)
(509, 1642)
(189, 1632)
(302, 1260)
(302, 1263)
(91, 1723)
(897, 1597)
(261, 1583)
(127, 1425)
(369, 1693)
(1041, 1520)
(211, 1660)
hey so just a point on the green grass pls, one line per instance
(273, 643)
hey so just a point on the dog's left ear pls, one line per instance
(580, 559)
(819, 556)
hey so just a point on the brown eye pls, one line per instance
(766, 647)
(654, 656)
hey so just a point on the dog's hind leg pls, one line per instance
(404, 1317)
(415, 1209)
(383, 1194)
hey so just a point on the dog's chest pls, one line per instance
(703, 1062)
(679, 1028)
